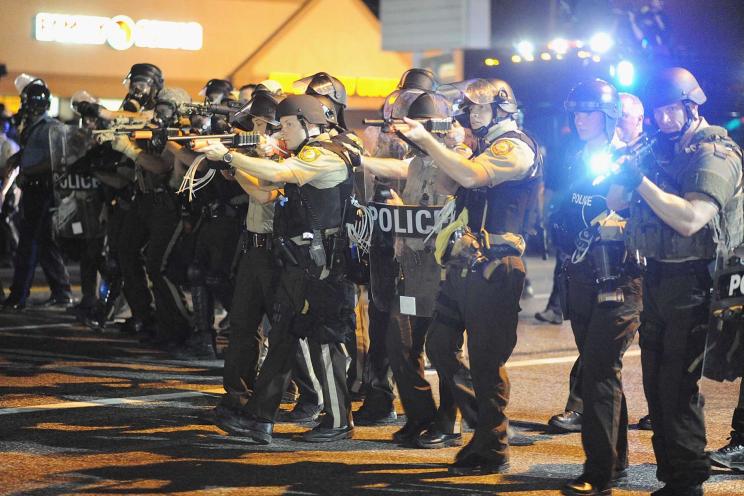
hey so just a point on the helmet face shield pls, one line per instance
(422, 79)
(397, 103)
(322, 84)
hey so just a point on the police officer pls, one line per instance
(377, 408)
(36, 243)
(311, 293)
(484, 272)
(602, 294)
(683, 214)
(255, 280)
(426, 426)
(221, 207)
(81, 233)
(154, 223)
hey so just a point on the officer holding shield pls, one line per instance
(484, 270)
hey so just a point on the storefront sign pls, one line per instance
(359, 86)
(120, 32)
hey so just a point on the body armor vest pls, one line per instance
(648, 234)
(580, 203)
(509, 207)
(306, 208)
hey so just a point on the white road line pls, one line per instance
(38, 326)
(548, 361)
(190, 394)
(110, 401)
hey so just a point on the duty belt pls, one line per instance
(256, 240)
(325, 233)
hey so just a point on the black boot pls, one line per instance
(732, 455)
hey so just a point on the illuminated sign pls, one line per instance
(120, 32)
(359, 86)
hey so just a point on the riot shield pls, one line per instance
(78, 195)
(723, 358)
(406, 206)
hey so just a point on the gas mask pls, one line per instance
(139, 94)
(165, 115)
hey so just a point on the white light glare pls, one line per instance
(559, 45)
(625, 73)
(526, 49)
(601, 165)
(601, 42)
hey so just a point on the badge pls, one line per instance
(309, 154)
(501, 148)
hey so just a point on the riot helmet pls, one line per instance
(144, 81)
(675, 85)
(595, 96)
(216, 90)
(35, 98)
(269, 86)
(167, 105)
(323, 84)
(494, 92)
(417, 78)
(266, 96)
(308, 109)
(429, 105)
(397, 103)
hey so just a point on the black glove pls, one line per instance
(630, 174)
(88, 109)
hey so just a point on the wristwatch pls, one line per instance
(227, 158)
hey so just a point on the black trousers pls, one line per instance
(89, 251)
(602, 335)
(210, 271)
(304, 305)
(153, 225)
(36, 245)
(673, 333)
(489, 310)
(737, 421)
(405, 343)
(255, 285)
(377, 373)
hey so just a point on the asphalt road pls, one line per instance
(90, 413)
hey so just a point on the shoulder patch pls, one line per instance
(501, 147)
(309, 154)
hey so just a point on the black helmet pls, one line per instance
(221, 87)
(168, 104)
(671, 85)
(262, 105)
(596, 96)
(323, 84)
(416, 78)
(146, 71)
(36, 96)
(429, 105)
(305, 107)
(144, 82)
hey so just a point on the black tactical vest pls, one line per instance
(306, 208)
(509, 207)
(652, 238)
(578, 205)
